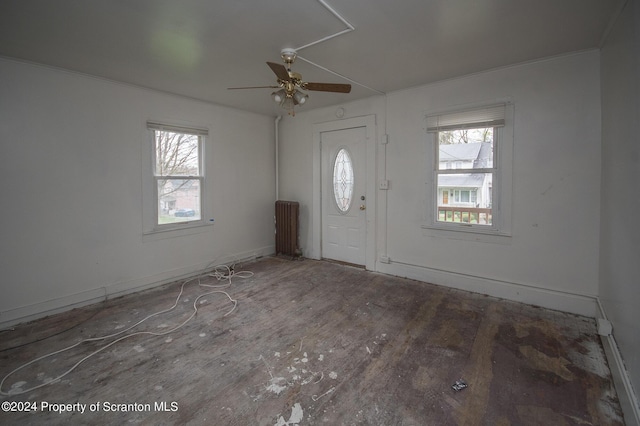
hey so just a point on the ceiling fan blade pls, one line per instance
(253, 87)
(327, 87)
(279, 70)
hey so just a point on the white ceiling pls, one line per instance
(198, 48)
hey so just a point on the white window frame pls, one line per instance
(502, 171)
(152, 186)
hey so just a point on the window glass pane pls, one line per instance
(465, 197)
(178, 200)
(176, 154)
(343, 180)
(466, 148)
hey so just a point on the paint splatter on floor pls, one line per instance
(296, 416)
(277, 385)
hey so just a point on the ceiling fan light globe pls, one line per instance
(300, 97)
(278, 96)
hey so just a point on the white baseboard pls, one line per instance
(626, 395)
(86, 297)
(546, 298)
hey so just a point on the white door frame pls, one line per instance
(369, 122)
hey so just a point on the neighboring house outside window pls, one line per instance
(468, 190)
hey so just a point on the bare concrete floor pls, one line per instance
(311, 343)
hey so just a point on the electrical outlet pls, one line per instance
(604, 327)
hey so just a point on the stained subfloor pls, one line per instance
(310, 343)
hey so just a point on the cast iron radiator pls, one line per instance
(287, 228)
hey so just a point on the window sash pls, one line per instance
(177, 175)
(456, 197)
(201, 134)
(186, 202)
(460, 210)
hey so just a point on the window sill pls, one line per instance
(178, 230)
(466, 233)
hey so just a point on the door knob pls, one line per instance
(362, 207)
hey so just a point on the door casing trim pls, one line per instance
(369, 122)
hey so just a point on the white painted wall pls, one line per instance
(620, 235)
(72, 165)
(552, 257)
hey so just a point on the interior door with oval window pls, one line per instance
(344, 204)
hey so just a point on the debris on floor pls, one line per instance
(459, 385)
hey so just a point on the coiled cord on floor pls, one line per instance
(220, 272)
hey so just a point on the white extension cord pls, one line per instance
(220, 272)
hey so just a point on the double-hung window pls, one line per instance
(178, 174)
(471, 169)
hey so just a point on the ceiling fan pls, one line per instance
(290, 84)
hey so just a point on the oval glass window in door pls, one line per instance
(343, 180)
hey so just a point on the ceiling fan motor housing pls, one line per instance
(288, 56)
